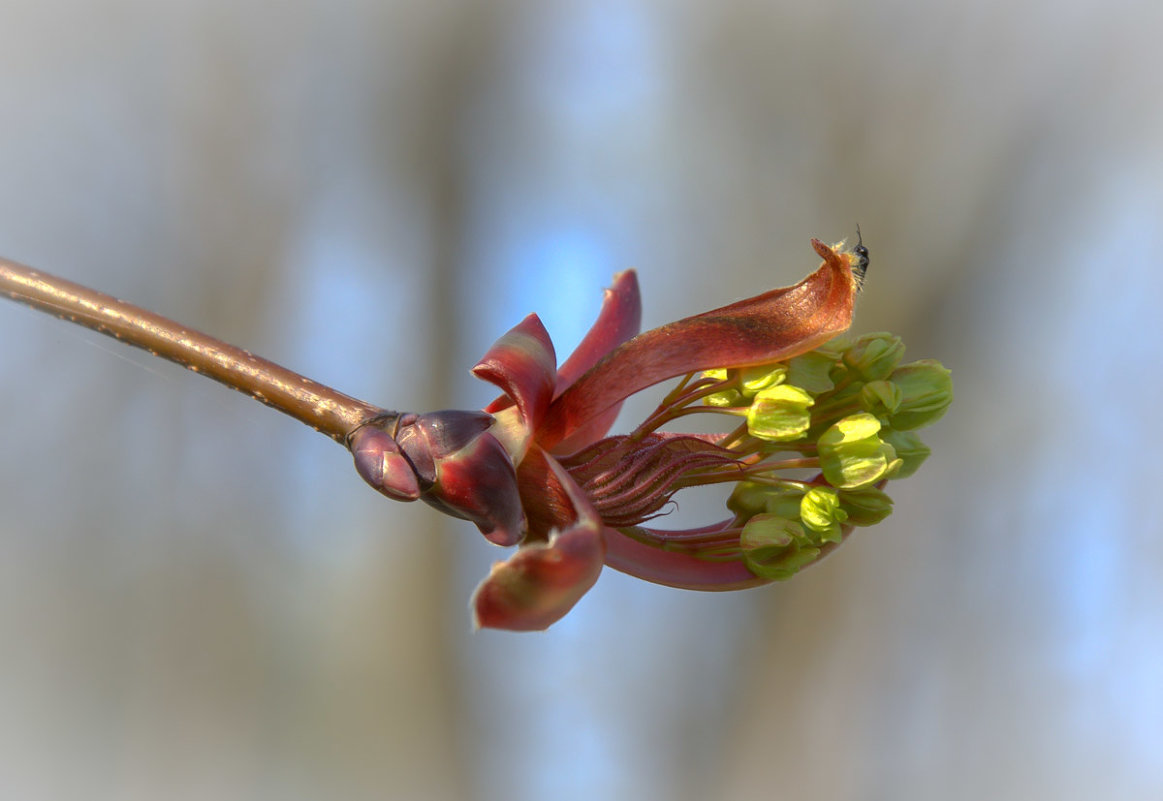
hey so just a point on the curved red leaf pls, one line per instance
(776, 325)
(619, 319)
(523, 364)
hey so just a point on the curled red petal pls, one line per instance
(776, 325)
(523, 364)
(677, 568)
(619, 319)
(544, 580)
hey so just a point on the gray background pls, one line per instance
(199, 599)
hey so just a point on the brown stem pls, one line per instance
(327, 411)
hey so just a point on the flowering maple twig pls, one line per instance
(537, 468)
(323, 408)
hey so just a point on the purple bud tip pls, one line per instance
(379, 461)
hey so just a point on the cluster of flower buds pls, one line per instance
(848, 409)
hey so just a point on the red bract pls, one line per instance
(546, 416)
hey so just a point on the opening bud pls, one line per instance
(813, 371)
(756, 379)
(748, 498)
(874, 356)
(728, 398)
(909, 449)
(880, 398)
(776, 548)
(780, 413)
(852, 454)
(926, 391)
(865, 507)
(822, 513)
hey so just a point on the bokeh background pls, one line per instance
(199, 599)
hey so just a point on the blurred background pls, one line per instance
(198, 597)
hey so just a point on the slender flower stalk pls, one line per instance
(822, 423)
(324, 409)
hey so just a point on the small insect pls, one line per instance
(862, 254)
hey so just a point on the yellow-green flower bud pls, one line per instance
(784, 502)
(852, 455)
(909, 449)
(822, 514)
(865, 507)
(749, 498)
(880, 398)
(874, 356)
(769, 532)
(780, 413)
(756, 379)
(926, 391)
(812, 371)
(772, 548)
(728, 398)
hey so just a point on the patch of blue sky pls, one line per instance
(344, 310)
(1095, 482)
